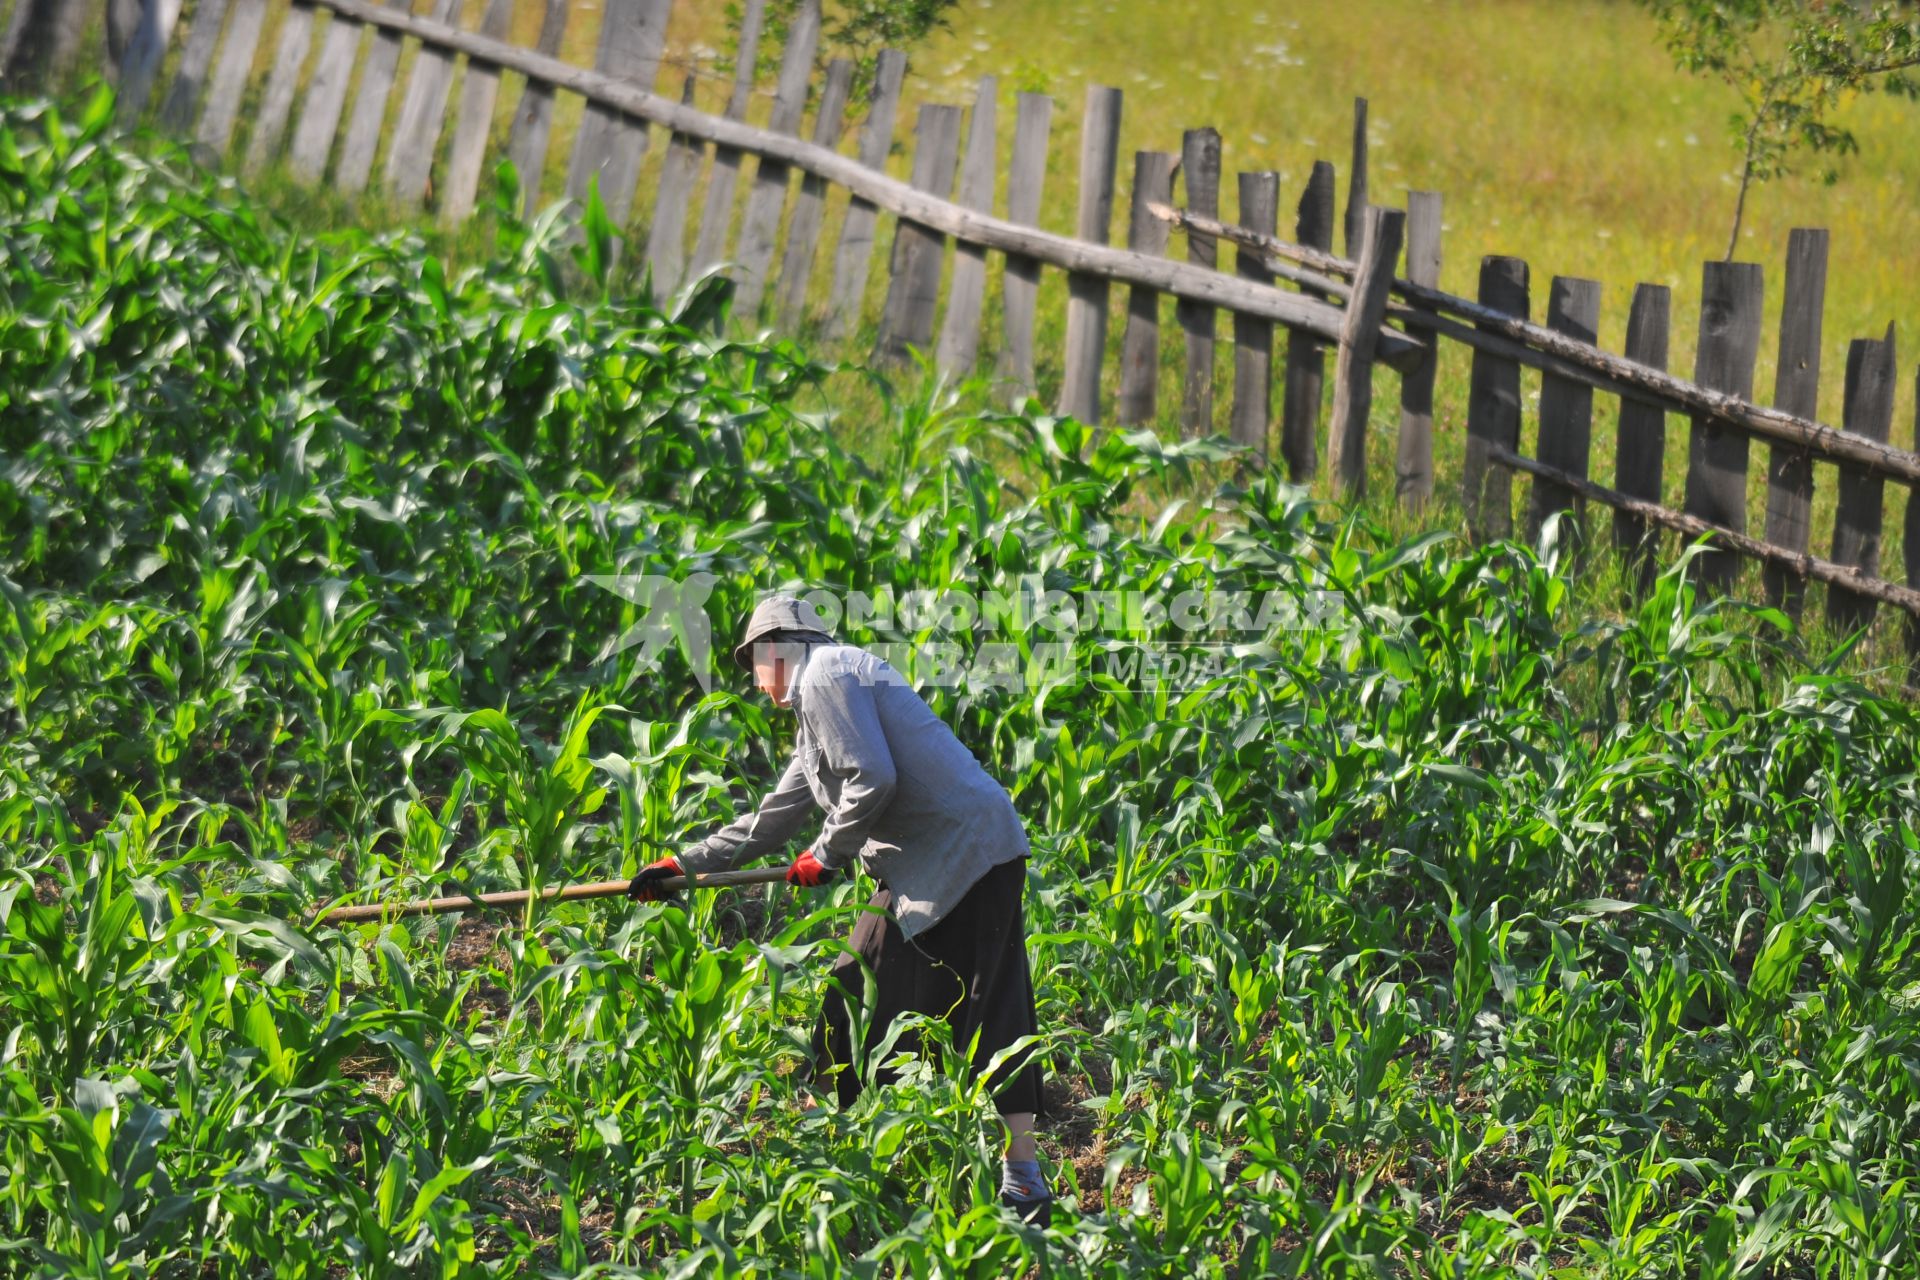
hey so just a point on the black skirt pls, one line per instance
(969, 969)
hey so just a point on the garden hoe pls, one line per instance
(518, 898)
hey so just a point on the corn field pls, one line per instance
(1471, 931)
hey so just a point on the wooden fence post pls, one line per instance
(149, 45)
(803, 230)
(609, 145)
(1306, 357)
(369, 107)
(1357, 182)
(1200, 170)
(667, 236)
(1640, 456)
(1493, 409)
(760, 225)
(1087, 294)
(325, 98)
(1252, 335)
(473, 123)
(855, 250)
(1796, 390)
(1353, 368)
(1413, 466)
(1566, 412)
(1139, 396)
(276, 102)
(716, 219)
(230, 76)
(182, 103)
(913, 294)
(1020, 282)
(533, 118)
(1912, 540)
(960, 334)
(416, 134)
(1730, 296)
(1861, 497)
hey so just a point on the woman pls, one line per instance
(944, 935)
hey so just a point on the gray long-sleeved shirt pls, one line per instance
(900, 791)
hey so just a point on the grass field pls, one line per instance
(1450, 929)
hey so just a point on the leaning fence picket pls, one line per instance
(474, 121)
(230, 75)
(913, 293)
(417, 133)
(1911, 540)
(141, 65)
(959, 346)
(1087, 292)
(1259, 195)
(716, 218)
(1640, 452)
(1730, 295)
(1355, 232)
(1020, 281)
(1860, 498)
(1413, 461)
(854, 254)
(1359, 334)
(369, 109)
(276, 103)
(1493, 409)
(610, 144)
(1796, 390)
(1200, 171)
(803, 229)
(1566, 408)
(182, 102)
(325, 98)
(667, 236)
(1138, 397)
(767, 199)
(533, 118)
(1306, 356)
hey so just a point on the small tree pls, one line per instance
(856, 29)
(1792, 62)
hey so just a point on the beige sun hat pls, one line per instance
(777, 613)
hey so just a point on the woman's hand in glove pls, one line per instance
(807, 873)
(645, 887)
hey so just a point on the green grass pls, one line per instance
(1494, 927)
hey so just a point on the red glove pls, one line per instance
(645, 887)
(807, 872)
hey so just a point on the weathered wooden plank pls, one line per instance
(855, 250)
(1020, 284)
(1413, 461)
(1692, 527)
(276, 104)
(368, 119)
(1122, 265)
(1200, 171)
(803, 229)
(325, 99)
(1640, 455)
(1259, 195)
(1912, 545)
(667, 237)
(182, 102)
(1087, 293)
(1566, 409)
(230, 75)
(144, 54)
(533, 118)
(417, 132)
(767, 200)
(913, 294)
(959, 347)
(1138, 398)
(1796, 390)
(1306, 357)
(474, 121)
(1357, 181)
(716, 219)
(1730, 297)
(610, 144)
(1493, 409)
(1860, 506)
(1353, 367)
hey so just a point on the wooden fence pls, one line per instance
(1355, 305)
